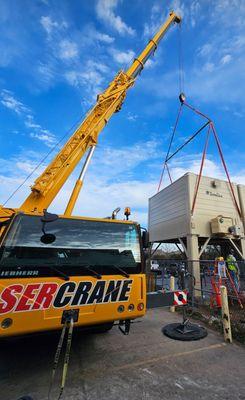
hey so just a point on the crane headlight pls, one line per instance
(6, 323)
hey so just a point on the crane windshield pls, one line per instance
(78, 244)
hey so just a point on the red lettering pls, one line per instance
(45, 296)
(9, 299)
(28, 294)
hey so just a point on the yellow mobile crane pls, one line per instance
(52, 267)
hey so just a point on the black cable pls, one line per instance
(42, 160)
(188, 141)
(181, 60)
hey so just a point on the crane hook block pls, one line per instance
(182, 97)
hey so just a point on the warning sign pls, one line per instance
(180, 298)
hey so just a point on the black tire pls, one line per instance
(25, 398)
(101, 328)
(197, 332)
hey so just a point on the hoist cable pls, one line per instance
(181, 89)
(181, 60)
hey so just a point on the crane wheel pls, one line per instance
(101, 328)
(25, 398)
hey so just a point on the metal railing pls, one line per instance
(200, 298)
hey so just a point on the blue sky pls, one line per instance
(56, 56)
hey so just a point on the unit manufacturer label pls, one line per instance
(42, 296)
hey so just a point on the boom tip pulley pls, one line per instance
(182, 97)
(177, 18)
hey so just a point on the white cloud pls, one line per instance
(108, 184)
(67, 62)
(189, 11)
(91, 76)
(29, 122)
(180, 8)
(25, 166)
(103, 37)
(51, 26)
(110, 181)
(194, 11)
(48, 24)
(223, 11)
(226, 59)
(151, 27)
(150, 64)
(9, 101)
(205, 49)
(208, 67)
(105, 10)
(191, 163)
(46, 73)
(131, 117)
(44, 136)
(68, 49)
(122, 57)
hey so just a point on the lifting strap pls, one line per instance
(200, 172)
(169, 147)
(211, 127)
(67, 326)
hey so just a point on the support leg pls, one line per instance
(194, 266)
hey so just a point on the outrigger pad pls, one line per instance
(185, 332)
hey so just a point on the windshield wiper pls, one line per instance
(93, 272)
(87, 267)
(99, 276)
(13, 264)
(124, 273)
(59, 272)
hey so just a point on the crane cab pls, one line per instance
(93, 266)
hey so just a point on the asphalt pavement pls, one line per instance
(144, 365)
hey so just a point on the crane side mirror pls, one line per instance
(145, 239)
(48, 238)
(48, 217)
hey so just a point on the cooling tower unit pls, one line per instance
(215, 220)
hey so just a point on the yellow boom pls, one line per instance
(47, 186)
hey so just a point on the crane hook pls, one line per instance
(182, 97)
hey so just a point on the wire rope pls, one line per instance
(42, 160)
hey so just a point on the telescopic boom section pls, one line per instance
(139, 62)
(48, 185)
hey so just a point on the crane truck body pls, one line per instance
(51, 266)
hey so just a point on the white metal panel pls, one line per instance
(170, 209)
